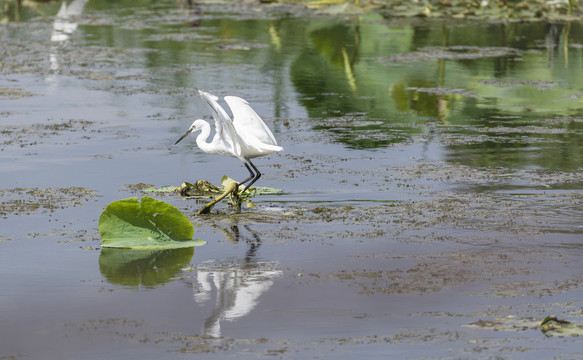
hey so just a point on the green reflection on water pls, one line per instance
(495, 94)
(498, 94)
(147, 268)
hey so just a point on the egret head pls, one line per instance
(196, 125)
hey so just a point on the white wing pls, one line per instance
(224, 127)
(247, 123)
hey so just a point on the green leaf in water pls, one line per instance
(149, 224)
(551, 326)
(166, 189)
(265, 190)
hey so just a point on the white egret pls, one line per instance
(245, 137)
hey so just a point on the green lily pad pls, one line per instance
(146, 224)
(165, 189)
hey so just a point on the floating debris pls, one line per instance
(433, 53)
(200, 188)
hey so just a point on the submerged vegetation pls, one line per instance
(509, 10)
(496, 10)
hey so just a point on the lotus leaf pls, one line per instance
(145, 224)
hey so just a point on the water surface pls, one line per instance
(432, 193)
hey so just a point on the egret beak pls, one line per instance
(183, 136)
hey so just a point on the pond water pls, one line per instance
(431, 204)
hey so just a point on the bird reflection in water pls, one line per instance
(236, 285)
(65, 24)
(193, 10)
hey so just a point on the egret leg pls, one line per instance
(251, 174)
(255, 177)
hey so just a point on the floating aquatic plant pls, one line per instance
(146, 224)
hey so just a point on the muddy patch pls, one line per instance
(36, 134)
(14, 93)
(139, 332)
(452, 53)
(444, 91)
(20, 201)
(435, 272)
(541, 85)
